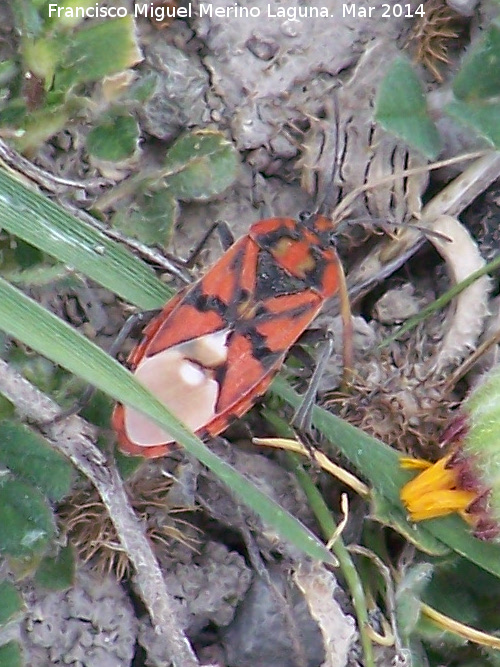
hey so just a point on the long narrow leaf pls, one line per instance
(25, 320)
(37, 220)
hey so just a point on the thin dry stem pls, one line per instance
(460, 629)
(74, 438)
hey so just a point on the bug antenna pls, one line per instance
(388, 227)
(329, 200)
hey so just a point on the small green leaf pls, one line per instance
(41, 372)
(63, 14)
(11, 655)
(150, 218)
(8, 70)
(27, 19)
(477, 87)
(26, 255)
(31, 459)
(97, 51)
(401, 109)
(57, 574)
(40, 57)
(26, 521)
(13, 113)
(40, 126)
(483, 116)
(115, 139)
(127, 465)
(98, 410)
(200, 165)
(479, 76)
(11, 602)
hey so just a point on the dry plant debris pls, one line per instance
(431, 36)
(85, 519)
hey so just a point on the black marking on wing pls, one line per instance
(270, 239)
(260, 350)
(314, 277)
(274, 280)
(264, 315)
(205, 302)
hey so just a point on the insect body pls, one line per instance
(215, 347)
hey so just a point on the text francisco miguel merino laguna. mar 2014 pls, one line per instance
(290, 13)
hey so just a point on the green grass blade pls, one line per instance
(25, 320)
(441, 301)
(37, 220)
(379, 465)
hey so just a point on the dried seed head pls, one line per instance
(432, 34)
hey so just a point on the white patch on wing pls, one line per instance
(181, 378)
(190, 374)
(209, 350)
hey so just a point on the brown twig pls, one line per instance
(18, 163)
(149, 254)
(57, 185)
(74, 438)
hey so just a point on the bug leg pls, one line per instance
(130, 324)
(224, 234)
(303, 415)
(195, 252)
(302, 418)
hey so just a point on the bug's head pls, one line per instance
(320, 225)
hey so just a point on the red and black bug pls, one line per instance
(215, 347)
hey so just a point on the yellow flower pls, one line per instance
(467, 479)
(436, 491)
